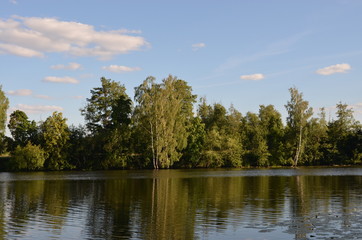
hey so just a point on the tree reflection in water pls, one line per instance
(172, 204)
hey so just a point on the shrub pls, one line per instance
(31, 157)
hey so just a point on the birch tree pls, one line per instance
(164, 112)
(299, 113)
(4, 105)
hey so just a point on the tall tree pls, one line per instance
(107, 114)
(222, 145)
(55, 134)
(299, 113)
(316, 143)
(21, 129)
(100, 106)
(273, 128)
(4, 105)
(195, 144)
(164, 111)
(117, 142)
(255, 142)
(340, 133)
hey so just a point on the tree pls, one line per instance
(108, 116)
(255, 142)
(340, 134)
(195, 144)
(30, 157)
(21, 129)
(4, 105)
(55, 135)
(79, 151)
(164, 112)
(117, 141)
(98, 112)
(273, 128)
(222, 147)
(298, 114)
(316, 129)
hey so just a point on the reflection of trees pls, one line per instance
(323, 205)
(3, 194)
(170, 205)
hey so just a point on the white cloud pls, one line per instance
(20, 92)
(253, 77)
(61, 80)
(33, 37)
(338, 68)
(357, 108)
(36, 109)
(120, 69)
(13, 1)
(127, 31)
(18, 50)
(78, 97)
(197, 46)
(46, 97)
(70, 66)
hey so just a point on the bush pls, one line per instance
(31, 157)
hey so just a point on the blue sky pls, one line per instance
(245, 53)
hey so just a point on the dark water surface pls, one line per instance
(304, 203)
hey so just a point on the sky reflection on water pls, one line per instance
(305, 203)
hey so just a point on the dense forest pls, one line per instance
(161, 129)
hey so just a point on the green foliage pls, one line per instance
(298, 114)
(21, 129)
(342, 133)
(195, 144)
(55, 134)
(316, 130)
(103, 100)
(222, 147)
(108, 117)
(212, 156)
(273, 130)
(164, 113)
(162, 131)
(80, 152)
(29, 158)
(255, 141)
(4, 105)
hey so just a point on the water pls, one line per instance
(304, 203)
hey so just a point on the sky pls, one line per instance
(243, 52)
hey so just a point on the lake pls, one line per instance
(302, 203)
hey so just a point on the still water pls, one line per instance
(304, 203)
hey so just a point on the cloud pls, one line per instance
(61, 80)
(120, 69)
(78, 97)
(36, 109)
(338, 68)
(197, 46)
(18, 50)
(20, 92)
(127, 31)
(253, 77)
(34, 37)
(46, 97)
(357, 108)
(13, 1)
(70, 66)
(27, 92)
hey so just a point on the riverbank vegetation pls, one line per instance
(167, 126)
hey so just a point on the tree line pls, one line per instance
(161, 129)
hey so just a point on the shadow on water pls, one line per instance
(183, 204)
